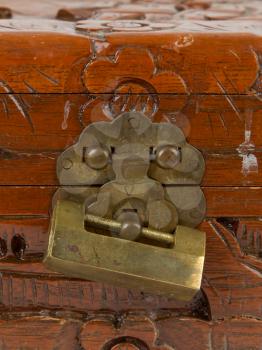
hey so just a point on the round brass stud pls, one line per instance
(167, 157)
(67, 163)
(97, 157)
(131, 225)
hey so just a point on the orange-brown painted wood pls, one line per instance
(131, 332)
(233, 334)
(222, 169)
(221, 201)
(231, 282)
(51, 122)
(70, 62)
(179, 62)
(39, 333)
(34, 230)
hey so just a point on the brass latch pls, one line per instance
(128, 207)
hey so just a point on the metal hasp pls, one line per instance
(127, 208)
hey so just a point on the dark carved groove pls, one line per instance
(125, 340)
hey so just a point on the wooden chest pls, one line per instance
(196, 64)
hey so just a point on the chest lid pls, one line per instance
(178, 47)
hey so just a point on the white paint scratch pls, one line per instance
(249, 160)
(184, 41)
(235, 54)
(100, 46)
(249, 164)
(253, 270)
(181, 42)
(229, 98)
(66, 115)
(13, 98)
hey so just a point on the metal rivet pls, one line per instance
(67, 163)
(131, 226)
(167, 157)
(97, 157)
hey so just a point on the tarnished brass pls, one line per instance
(82, 253)
(125, 214)
(168, 157)
(96, 157)
(130, 226)
(116, 227)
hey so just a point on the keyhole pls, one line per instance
(125, 343)
(18, 246)
(3, 248)
(125, 346)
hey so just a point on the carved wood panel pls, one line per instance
(194, 63)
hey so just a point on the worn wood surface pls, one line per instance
(175, 63)
(21, 168)
(51, 122)
(231, 284)
(221, 201)
(138, 333)
(197, 64)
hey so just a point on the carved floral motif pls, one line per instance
(134, 333)
(134, 86)
(131, 65)
(122, 26)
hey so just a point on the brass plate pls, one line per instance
(133, 158)
(77, 252)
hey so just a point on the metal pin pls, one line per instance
(112, 225)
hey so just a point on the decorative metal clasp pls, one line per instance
(128, 207)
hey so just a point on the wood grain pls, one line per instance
(33, 293)
(249, 236)
(174, 333)
(188, 62)
(35, 232)
(221, 201)
(231, 283)
(222, 169)
(39, 333)
(178, 63)
(132, 333)
(51, 122)
(238, 334)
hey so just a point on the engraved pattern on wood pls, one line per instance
(33, 333)
(24, 168)
(232, 283)
(219, 110)
(34, 230)
(209, 122)
(140, 76)
(47, 62)
(53, 333)
(192, 334)
(186, 62)
(249, 236)
(258, 83)
(140, 331)
(46, 290)
(245, 26)
(170, 72)
(221, 201)
(227, 290)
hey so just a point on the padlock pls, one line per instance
(128, 207)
